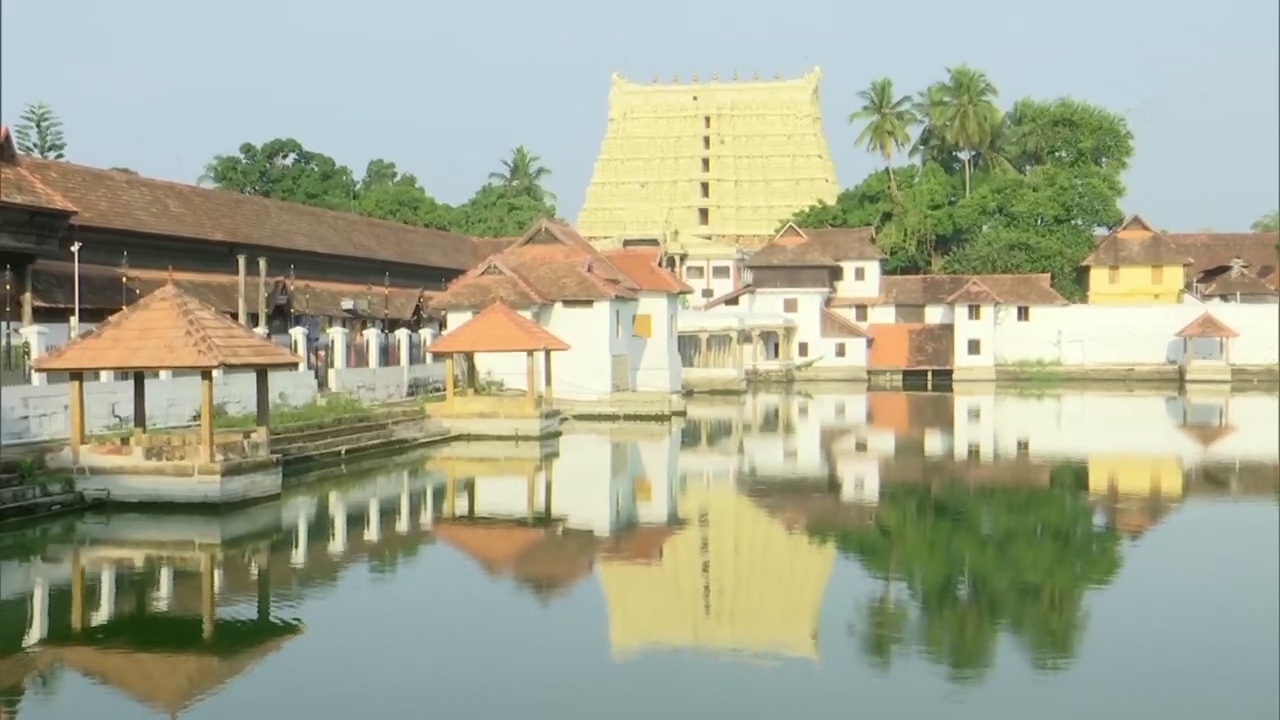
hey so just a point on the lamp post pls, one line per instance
(75, 272)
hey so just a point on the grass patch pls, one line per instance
(333, 409)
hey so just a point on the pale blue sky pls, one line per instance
(446, 90)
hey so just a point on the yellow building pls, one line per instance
(1136, 265)
(732, 580)
(702, 167)
(1136, 491)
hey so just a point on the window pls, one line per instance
(975, 451)
(578, 304)
(859, 274)
(803, 349)
(643, 490)
(975, 347)
(733, 301)
(706, 165)
(802, 409)
(706, 142)
(1113, 275)
(1024, 447)
(975, 312)
(704, 216)
(839, 350)
(706, 122)
(694, 272)
(908, 313)
(1157, 274)
(707, 293)
(840, 409)
(642, 326)
(860, 313)
(790, 305)
(1024, 313)
(721, 272)
(975, 412)
(704, 189)
(617, 323)
(860, 445)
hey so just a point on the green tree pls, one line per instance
(888, 120)
(499, 211)
(39, 132)
(282, 169)
(978, 561)
(1267, 223)
(1066, 133)
(123, 170)
(524, 173)
(931, 145)
(969, 114)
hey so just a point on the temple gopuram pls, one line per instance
(707, 169)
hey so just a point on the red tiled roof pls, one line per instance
(497, 329)
(642, 267)
(913, 346)
(132, 203)
(739, 292)
(551, 263)
(18, 187)
(167, 330)
(1034, 289)
(1206, 326)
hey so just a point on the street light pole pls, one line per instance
(75, 319)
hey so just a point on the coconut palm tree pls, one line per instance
(970, 114)
(929, 106)
(525, 172)
(888, 123)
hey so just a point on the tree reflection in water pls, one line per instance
(960, 564)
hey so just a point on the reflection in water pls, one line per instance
(952, 521)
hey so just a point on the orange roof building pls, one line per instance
(167, 330)
(1207, 327)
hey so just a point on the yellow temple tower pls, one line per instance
(705, 167)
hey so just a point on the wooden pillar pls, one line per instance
(139, 402)
(28, 298)
(531, 493)
(77, 591)
(264, 586)
(450, 494)
(546, 376)
(473, 374)
(448, 378)
(206, 416)
(531, 379)
(208, 612)
(472, 488)
(546, 489)
(77, 415)
(262, 383)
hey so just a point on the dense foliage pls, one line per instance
(39, 133)
(990, 191)
(959, 565)
(285, 170)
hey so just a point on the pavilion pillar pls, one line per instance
(531, 379)
(77, 415)
(77, 591)
(530, 494)
(449, 389)
(139, 403)
(206, 416)
(262, 383)
(207, 608)
(450, 494)
(755, 347)
(264, 587)
(548, 392)
(547, 480)
(473, 374)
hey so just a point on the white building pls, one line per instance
(617, 312)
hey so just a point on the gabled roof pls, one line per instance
(167, 330)
(19, 188)
(974, 292)
(1136, 243)
(497, 329)
(549, 263)
(131, 203)
(834, 325)
(643, 267)
(1206, 435)
(1032, 289)
(1206, 326)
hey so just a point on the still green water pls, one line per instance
(1075, 555)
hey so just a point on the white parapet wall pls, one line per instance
(1102, 335)
(43, 412)
(384, 384)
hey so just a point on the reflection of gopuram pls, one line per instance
(732, 580)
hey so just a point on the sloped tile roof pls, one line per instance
(497, 329)
(18, 187)
(1136, 243)
(899, 346)
(550, 263)
(834, 325)
(494, 546)
(825, 247)
(1206, 326)
(1033, 289)
(167, 330)
(642, 267)
(131, 203)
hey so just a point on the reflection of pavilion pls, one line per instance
(732, 579)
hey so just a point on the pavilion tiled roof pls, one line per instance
(1206, 435)
(1206, 326)
(167, 330)
(550, 263)
(495, 546)
(642, 267)
(497, 329)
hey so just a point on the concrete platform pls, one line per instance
(185, 483)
